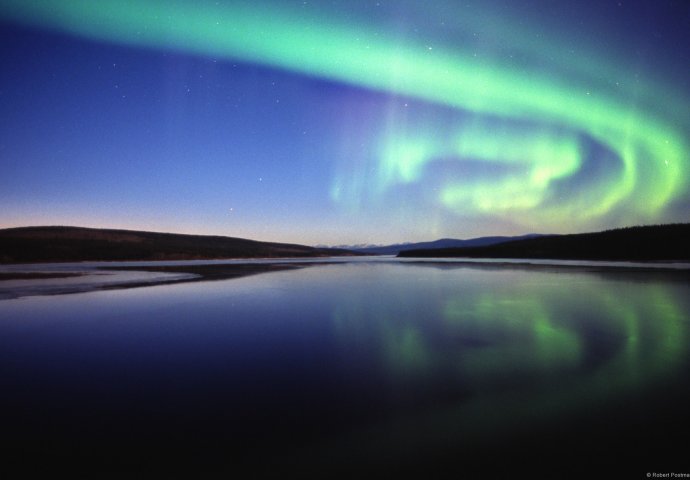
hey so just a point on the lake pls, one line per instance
(356, 367)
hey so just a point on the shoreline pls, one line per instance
(21, 284)
(6, 276)
(623, 265)
(18, 283)
(209, 272)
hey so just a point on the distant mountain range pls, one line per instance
(75, 244)
(441, 243)
(646, 243)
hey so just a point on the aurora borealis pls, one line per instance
(345, 122)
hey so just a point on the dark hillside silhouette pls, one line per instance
(647, 243)
(74, 244)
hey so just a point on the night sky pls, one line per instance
(345, 122)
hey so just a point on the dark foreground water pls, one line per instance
(356, 368)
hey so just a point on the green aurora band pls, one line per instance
(643, 136)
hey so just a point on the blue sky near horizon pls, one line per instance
(345, 122)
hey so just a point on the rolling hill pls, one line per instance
(74, 244)
(645, 243)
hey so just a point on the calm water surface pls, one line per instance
(359, 367)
